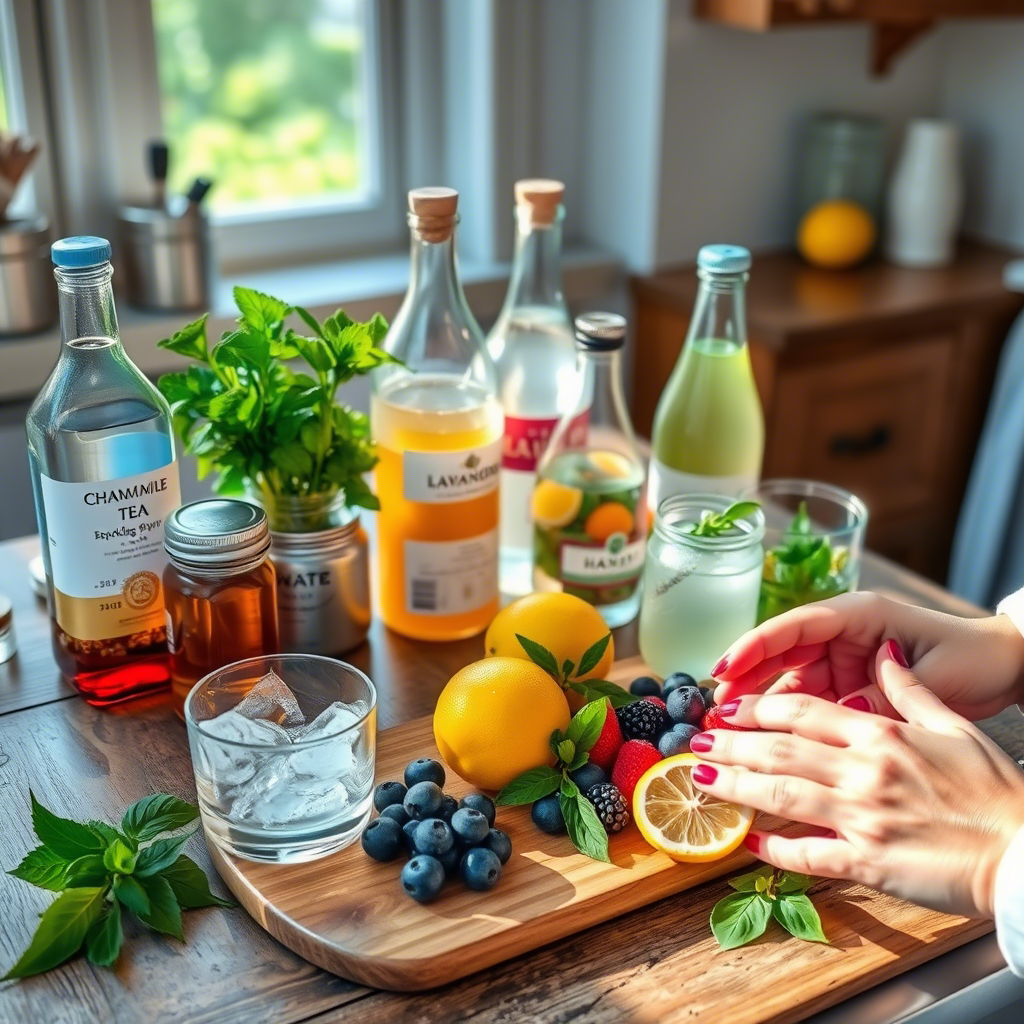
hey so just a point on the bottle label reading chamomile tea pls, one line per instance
(105, 540)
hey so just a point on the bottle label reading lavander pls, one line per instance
(440, 478)
(106, 551)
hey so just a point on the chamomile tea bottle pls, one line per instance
(438, 428)
(589, 508)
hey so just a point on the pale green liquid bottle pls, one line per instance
(709, 427)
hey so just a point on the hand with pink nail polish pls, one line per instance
(976, 666)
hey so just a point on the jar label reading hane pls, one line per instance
(619, 561)
(440, 478)
(106, 551)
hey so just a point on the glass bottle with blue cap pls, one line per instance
(708, 434)
(104, 478)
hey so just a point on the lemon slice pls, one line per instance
(680, 820)
(611, 463)
(554, 504)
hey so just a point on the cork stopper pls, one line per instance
(433, 210)
(540, 199)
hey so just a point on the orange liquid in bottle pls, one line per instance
(439, 443)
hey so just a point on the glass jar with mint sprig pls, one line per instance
(259, 408)
(814, 536)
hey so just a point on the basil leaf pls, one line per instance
(164, 914)
(539, 655)
(86, 871)
(793, 881)
(259, 311)
(748, 882)
(110, 834)
(592, 656)
(529, 787)
(161, 854)
(796, 913)
(62, 929)
(740, 918)
(66, 838)
(43, 868)
(148, 817)
(104, 938)
(582, 823)
(586, 724)
(131, 895)
(190, 885)
(119, 858)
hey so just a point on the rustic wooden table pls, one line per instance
(87, 763)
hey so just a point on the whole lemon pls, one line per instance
(563, 623)
(494, 720)
(835, 234)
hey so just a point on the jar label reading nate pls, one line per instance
(439, 478)
(106, 551)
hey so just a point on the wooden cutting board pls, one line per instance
(347, 913)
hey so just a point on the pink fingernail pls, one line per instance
(704, 774)
(702, 742)
(729, 708)
(892, 649)
(752, 842)
(721, 666)
(857, 703)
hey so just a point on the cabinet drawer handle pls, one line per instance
(874, 440)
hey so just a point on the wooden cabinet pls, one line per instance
(875, 379)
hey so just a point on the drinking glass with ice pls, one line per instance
(283, 753)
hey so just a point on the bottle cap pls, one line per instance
(218, 534)
(541, 197)
(724, 259)
(601, 332)
(80, 251)
(434, 208)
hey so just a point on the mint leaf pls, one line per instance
(592, 656)
(104, 938)
(68, 839)
(529, 787)
(595, 689)
(566, 751)
(43, 868)
(567, 667)
(310, 321)
(740, 918)
(796, 913)
(62, 929)
(119, 858)
(164, 914)
(748, 882)
(190, 885)
(161, 854)
(714, 524)
(86, 872)
(793, 881)
(110, 834)
(131, 895)
(586, 725)
(148, 817)
(582, 823)
(190, 341)
(259, 311)
(581, 758)
(539, 655)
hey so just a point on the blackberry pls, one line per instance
(610, 805)
(641, 720)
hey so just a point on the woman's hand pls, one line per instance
(922, 809)
(828, 649)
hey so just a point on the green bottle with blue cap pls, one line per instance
(708, 431)
(104, 478)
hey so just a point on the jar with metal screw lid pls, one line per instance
(219, 589)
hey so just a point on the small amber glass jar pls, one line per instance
(219, 590)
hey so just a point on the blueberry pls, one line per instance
(587, 776)
(423, 800)
(449, 805)
(498, 843)
(450, 861)
(424, 769)
(677, 739)
(397, 813)
(433, 837)
(676, 680)
(423, 878)
(547, 815)
(382, 839)
(480, 868)
(409, 836)
(470, 825)
(645, 686)
(387, 794)
(481, 803)
(685, 704)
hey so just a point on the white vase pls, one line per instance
(925, 196)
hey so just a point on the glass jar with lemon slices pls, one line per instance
(588, 506)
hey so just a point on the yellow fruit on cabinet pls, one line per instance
(566, 625)
(607, 519)
(553, 504)
(494, 720)
(836, 234)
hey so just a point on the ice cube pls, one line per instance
(277, 795)
(227, 765)
(271, 700)
(334, 756)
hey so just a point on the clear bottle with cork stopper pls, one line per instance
(534, 350)
(438, 427)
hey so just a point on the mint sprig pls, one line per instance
(714, 524)
(759, 897)
(568, 675)
(98, 869)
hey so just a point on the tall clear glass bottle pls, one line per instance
(708, 431)
(438, 428)
(588, 506)
(104, 477)
(533, 349)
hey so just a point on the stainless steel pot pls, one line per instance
(28, 296)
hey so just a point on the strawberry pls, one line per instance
(656, 700)
(713, 720)
(635, 757)
(603, 752)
